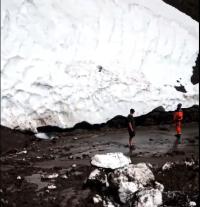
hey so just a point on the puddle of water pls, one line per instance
(36, 179)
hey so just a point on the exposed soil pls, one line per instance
(25, 161)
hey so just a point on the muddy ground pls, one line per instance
(26, 161)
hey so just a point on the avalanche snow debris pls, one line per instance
(140, 51)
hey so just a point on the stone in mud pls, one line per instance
(126, 191)
(98, 177)
(97, 199)
(148, 197)
(47, 177)
(51, 187)
(139, 174)
(167, 165)
(110, 160)
(192, 203)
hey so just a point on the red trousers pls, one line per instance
(178, 127)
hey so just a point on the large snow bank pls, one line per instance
(51, 51)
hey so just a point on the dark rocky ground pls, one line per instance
(69, 154)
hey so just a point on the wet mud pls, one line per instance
(53, 172)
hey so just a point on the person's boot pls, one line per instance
(179, 138)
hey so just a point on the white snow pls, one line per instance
(51, 49)
(42, 136)
(110, 160)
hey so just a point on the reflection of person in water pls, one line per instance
(131, 126)
(178, 117)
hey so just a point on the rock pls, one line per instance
(74, 166)
(148, 197)
(98, 177)
(139, 173)
(192, 203)
(3, 201)
(159, 186)
(159, 109)
(19, 177)
(64, 176)
(126, 191)
(97, 199)
(109, 203)
(51, 187)
(189, 163)
(167, 165)
(110, 160)
(134, 183)
(52, 176)
(22, 152)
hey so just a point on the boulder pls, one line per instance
(110, 160)
(149, 198)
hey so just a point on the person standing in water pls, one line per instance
(131, 127)
(178, 117)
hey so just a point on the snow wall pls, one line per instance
(66, 61)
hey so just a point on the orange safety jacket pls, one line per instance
(178, 117)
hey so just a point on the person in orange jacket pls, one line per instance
(178, 117)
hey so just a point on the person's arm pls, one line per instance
(174, 116)
(130, 126)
